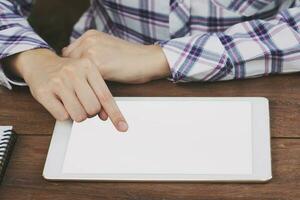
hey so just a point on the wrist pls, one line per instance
(23, 64)
(159, 64)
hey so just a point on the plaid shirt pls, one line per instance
(203, 40)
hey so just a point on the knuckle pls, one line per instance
(94, 110)
(56, 82)
(40, 92)
(91, 32)
(86, 64)
(105, 97)
(63, 116)
(69, 72)
(90, 52)
(90, 39)
(80, 117)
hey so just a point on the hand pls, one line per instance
(119, 60)
(67, 87)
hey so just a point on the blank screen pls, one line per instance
(165, 137)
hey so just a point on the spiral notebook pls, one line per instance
(7, 141)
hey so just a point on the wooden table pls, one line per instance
(34, 125)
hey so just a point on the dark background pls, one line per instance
(53, 20)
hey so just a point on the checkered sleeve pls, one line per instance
(16, 35)
(248, 49)
(245, 7)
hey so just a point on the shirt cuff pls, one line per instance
(3, 79)
(196, 58)
(7, 80)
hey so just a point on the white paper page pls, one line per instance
(166, 137)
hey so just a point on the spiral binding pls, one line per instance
(7, 141)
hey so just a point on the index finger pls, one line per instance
(107, 101)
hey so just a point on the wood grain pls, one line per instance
(23, 179)
(28, 117)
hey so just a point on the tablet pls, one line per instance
(169, 139)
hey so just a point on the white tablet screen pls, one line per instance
(165, 137)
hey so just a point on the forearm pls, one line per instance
(119, 60)
(246, 50)
(16, 36)
(154, 63)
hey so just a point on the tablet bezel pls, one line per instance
(260, 137)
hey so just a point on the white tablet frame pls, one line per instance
(261, 149)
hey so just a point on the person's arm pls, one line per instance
(248, 49)
(16, 35)
(119, 60)
(67, 88)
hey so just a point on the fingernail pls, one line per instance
(122, 126)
